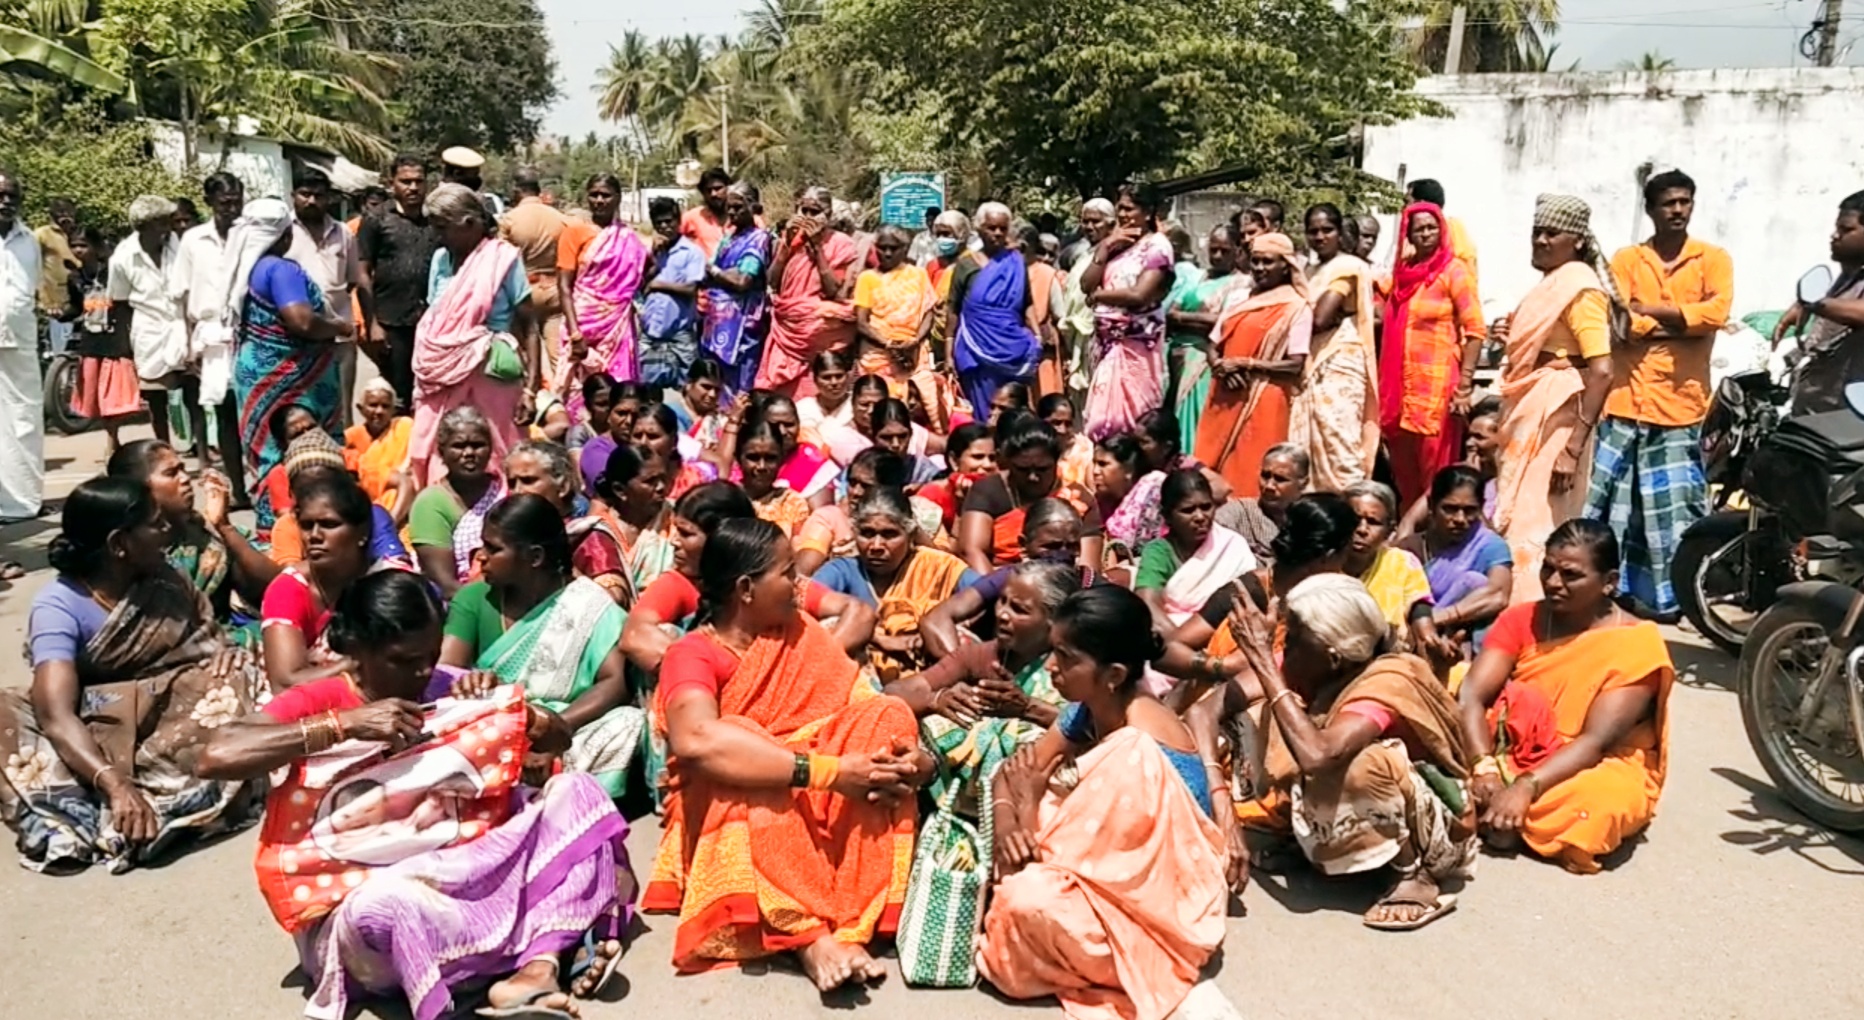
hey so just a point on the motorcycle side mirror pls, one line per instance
(1815, 284)
(1854, 398)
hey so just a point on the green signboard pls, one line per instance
(905, 197)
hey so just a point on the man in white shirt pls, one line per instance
(327, 251)
(198, 283)
(22, 396)
(143, 309)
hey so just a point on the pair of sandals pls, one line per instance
(532, 1007)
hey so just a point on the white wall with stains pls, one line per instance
(1772, 151)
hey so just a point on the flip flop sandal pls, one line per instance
(586, 959)
(11, 571)
(528, 1009)
(1444, 905)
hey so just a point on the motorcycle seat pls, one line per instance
(1834, 437)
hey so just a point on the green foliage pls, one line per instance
(47, 58)
(102, 175)
(1061, 97)
(475, 72)
(1498, 35)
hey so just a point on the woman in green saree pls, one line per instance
(1190, 315)
(985, 700)
(528, 621)
(204, 545)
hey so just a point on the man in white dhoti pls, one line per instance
(22, 395)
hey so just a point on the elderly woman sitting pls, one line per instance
(1258, 518)
(450, 511)
(1366, 762)
(1394, 577)
(899, 578)
(130, 676)
(475, 345)
(537, 883)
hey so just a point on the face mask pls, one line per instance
(947, 246)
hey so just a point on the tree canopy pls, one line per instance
(473, 72)
(1058, 95)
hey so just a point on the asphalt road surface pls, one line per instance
(1732, 905)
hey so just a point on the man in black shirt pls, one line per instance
(397, 248)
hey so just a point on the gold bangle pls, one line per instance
(824, 769)
(1286, 692)
(1531, 779)
(99, 774)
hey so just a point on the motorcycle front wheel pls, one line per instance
(1710, 572)
(61, 382)
(1818, 766)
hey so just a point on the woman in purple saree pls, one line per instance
(735, 297)
(1469, 567)
(598, 286)
(993, 344)
(510, 906)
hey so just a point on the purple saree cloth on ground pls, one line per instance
(479, 911)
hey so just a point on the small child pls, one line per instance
(108, 390)
(287, 423)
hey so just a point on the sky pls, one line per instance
(1598, 33)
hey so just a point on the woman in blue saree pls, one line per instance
(285, 352)
(735, 296)
(993, 344)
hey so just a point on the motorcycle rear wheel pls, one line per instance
(1821, 774)
(1710, 593)
(61, 381)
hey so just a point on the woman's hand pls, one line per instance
(130, 813)
(393, 721)
(538, 768)
(1482, 790)
(1461, 399)
(1508, 809)
(480, 683)
(343, 328)
(217, 496)
(1565, 470)
(881, 777)
(1121, 238)
(1002, 697)
(961, 703)
(1015, 842)
(898, 644)
(1023, 780)
(1253, 629)
(1236, 855)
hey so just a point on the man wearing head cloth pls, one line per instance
(143, 307)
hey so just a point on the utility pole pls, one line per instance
(1453, 56)
(1828, 33)
(724, 126)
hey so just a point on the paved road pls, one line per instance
(1733, 906)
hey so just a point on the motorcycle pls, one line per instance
(1801, 678)
(1730, 565)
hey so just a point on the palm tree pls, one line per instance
(621, 84)
(773, 24)
(1498, 35)
(1539, 59)
(1652, 62)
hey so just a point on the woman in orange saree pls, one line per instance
(812, 266)
(1262, 343)
(789, 816)
(1567, 708)
(376, 450)
(1559, 367)
(1427, 362)
(1112, 890)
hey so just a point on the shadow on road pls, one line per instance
(1773, 826)
(1702, 666)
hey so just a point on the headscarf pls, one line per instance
(1412, 274)
(1571, 215)
(149, 207)
(1281, 247)
(1339, 611)
(260, 225)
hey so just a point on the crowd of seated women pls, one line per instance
(790, 627)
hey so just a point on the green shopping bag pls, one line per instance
(951, 874)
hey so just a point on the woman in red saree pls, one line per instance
(1262, 345)
(1427, 360)
(814, 267)
(789, 819)
(599, 271)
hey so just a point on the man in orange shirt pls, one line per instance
(704, 223)
(1647, 468)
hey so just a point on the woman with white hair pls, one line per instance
(476, 344)
(145, 314)
(993, 343)
(1366, 762)
(1074, 317)
(814, 267)
(286, 353)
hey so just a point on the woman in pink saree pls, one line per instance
(1127, 281)
(813, 266)
(598, 274)
(476, 344)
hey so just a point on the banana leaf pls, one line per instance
(49, 59)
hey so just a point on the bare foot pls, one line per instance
(831, 964)
(589, 983)
(535, 984)
(867, 969)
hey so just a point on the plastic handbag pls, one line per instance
(950, 877)
(501, 359)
